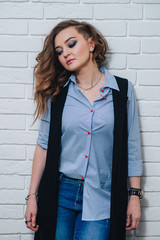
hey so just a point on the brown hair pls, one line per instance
(50, 75)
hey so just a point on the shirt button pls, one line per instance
(91, 110)
(86, 156)
(104, 97)
(102, 90)
(89, 132)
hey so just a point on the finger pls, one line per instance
(128, 221)
(34, 220)
(132, 226)
(29, 225)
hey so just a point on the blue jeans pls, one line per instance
(69, 214)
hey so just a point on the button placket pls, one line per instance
(89, 132)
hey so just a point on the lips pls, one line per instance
(70, 60)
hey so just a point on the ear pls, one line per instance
(91, 44)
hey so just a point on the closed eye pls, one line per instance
(70, 46)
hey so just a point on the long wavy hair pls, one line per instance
(49, 75)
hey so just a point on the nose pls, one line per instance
(65, 52)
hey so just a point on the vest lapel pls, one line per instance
(119, 194)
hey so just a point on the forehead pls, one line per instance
(65, 34)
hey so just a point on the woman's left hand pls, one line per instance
(133, 213)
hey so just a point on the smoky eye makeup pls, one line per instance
(70, 45)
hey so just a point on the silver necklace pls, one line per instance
(83, 90)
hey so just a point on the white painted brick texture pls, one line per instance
(132, 28)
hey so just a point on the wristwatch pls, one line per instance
(135, 191)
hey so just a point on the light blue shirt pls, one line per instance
(87, 142)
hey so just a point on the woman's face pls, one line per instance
(70, 44)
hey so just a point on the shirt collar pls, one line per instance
(110, 79)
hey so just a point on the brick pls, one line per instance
(144, 62)
(15, 167)
(150, 124)
(146, 1)
(151, 154)
(27, 182)
(148, 93)
(11, 182)
(150, 78)
(117, 11)
(10, 122)
(151, 199)
(18, 137)
(13, 27)
(129, 74)
(11, 91)
(6, 152)
(32, 59)
(151, 214)
(150, 184)
(67, 11)
(109, 28)
(16, 106)
(151, 169)
(14, 0)
(30, 120)
(57, 1)
(27, 237)
(30, 94)
(124, 45)
(30, 152)
(151, 139)
(151, 45)
(11, 211)
(152, 11)
(16, 75)
(20, 44)
(117, 61)
(149, 28)
(13, 59)
(9, 237)
(13, 226)
(146, 238)
(106, 1)
(21, 10)
(151, 109)
(40, 27)
(13, 197)
(148, 229)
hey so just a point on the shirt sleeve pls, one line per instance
(134, 141)
(43, 132)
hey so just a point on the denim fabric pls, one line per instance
(70, 225)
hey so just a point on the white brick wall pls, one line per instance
(132, 28)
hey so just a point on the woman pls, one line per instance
(88, 145)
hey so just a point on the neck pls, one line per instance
(88, 76)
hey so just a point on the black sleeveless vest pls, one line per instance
(48, 188)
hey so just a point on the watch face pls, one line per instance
(137, 192)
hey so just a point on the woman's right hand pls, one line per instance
(31, 213)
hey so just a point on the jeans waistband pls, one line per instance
(62, 175)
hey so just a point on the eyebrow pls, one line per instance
(65, 41)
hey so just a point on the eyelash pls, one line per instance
(70, 46)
